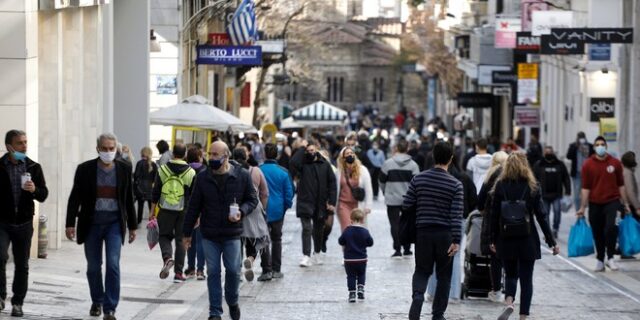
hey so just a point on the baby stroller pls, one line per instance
(477, 267)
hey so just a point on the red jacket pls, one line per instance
(603, 178)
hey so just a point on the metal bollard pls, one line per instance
(43, 238)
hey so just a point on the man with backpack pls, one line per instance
(171, 194)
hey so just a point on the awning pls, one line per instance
(320, 114)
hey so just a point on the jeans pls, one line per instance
(265, 255)
(557, 213)
(577, 189)
(141, 208)
(275, 231)
(195, 252)
(312, 228)
(20, 238)
(523, 270)
(170, 224)
(229, 250)
(393, 212)
(602, 218)
(356, 274)
(107, 294)
(456, 273)
(431, 249)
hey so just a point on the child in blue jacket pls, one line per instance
(355, 239)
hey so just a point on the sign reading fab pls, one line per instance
(229, 55)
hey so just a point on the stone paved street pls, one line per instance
(563, 289)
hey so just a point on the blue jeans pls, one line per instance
(196, 252)
(108, 294)
(229, 250)
(557, 213)
(577, 189)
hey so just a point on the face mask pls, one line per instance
(582, 140)
(107, 157)
(216, 164)
(18, 156)
(280, 148)
(125, 156)
(375, 147)
(309, 157)
(350, 159)
(601, 150)
(548, 157)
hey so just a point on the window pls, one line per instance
(378, 89)
(292, 92)
(216, 90)
(328, 89)
(335, 89)
(341, 93)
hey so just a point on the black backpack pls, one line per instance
(514, 218)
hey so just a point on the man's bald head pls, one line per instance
(219, 149)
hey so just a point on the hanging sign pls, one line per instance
(485, 73)
(506, 29)
(592, 35)
(475, 100)
(527, 43)
(550, 45)
(609, 129)
(602, 108)
(229, 55)
(600, 52)
(527, 117)
(527, 83)
(544, 21)
(528, 7)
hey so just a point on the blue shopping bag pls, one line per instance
(580, 239)
(629, 235)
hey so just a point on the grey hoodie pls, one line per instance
(395, 176)
(478, 167)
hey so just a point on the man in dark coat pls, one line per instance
(316, 199)
(553, 177)
(101, 204)
(578, 153)
(21, 182)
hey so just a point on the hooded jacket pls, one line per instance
(552, 175)
(316, 188)
(395, 176)
(478, 166)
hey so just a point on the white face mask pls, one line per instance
(582, 140)
(107, 157)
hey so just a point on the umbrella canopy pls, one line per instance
(289, 123)
(320, 114)
(195, 112)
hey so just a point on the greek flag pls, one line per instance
(242, 29)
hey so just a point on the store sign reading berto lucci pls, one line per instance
(218, 51)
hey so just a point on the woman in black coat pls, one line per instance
(516, 241)
(143, 178)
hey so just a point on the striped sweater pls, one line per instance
(438, 199)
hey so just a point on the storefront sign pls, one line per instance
(544, 21)
(600, 52)
(502, 91)
(609, 129)
(527, 117)
(593, 35)
(506, 29)
(549, 45)
(602, 108)
(218, 39)
(475, 100)
(528, 7)
(527, 91)
(504, 77)
(229, 55)
(527, 43)
(485, 73)
(527, 71)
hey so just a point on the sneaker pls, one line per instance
(96, 310)
(429, 298)
(496, 296)
(17, 311)
(267, 276)
(200, 275)
(111, 315)
(360, 292)
(623, 257)
(305, 262)
(179, 278)
(352, 296)
(506, 313)
(407, 253)
(166, 268)
(611, 264)
(397, 255)
(234, 312)
(317, 258)
(248, 272)
(190, 273)
(599, 266)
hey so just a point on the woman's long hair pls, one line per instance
(497, 161)
(516, 169)
(146, 154)
(342, 163)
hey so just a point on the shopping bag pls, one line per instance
(629, 235)
(565, 204)
(153, 234)
(580, 239)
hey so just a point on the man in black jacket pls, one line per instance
(316, 200)
(21, 182)
(222, 195)
(101, 201)
(552, 175)
(578, 153)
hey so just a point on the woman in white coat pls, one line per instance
(349, 167)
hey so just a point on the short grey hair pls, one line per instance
(106, 136)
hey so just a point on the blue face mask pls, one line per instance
(601, 150)
(19, 156)
(216, 164)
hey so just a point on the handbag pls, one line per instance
(357, 192)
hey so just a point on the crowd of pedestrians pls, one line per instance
(228, 209)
